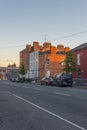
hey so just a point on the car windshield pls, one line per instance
(58, 75)
(48, 78)
(67, 75)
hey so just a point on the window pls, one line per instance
(62, 62)
(78, 59)
(47, 61)
(36, 65)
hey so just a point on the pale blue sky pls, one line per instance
(25, 21)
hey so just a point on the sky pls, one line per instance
(24, 21)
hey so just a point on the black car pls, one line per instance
(63, 79)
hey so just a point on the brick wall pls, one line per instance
(24, 56)
(54, 65)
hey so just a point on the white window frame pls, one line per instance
(78, 59)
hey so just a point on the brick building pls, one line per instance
(80, 53)
(49, 58)
(24, 56)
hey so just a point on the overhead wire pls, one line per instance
(71, 35)
(64, 37)
(11, 46)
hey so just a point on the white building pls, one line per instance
(33, 64)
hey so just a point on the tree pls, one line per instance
(70, 64)
(22, 69)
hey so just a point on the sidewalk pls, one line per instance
(80, 83)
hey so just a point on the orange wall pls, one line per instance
(54, 66)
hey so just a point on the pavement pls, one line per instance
(80, 83)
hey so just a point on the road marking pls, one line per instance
(49, 112)
(62, 94)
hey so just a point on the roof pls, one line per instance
(82, 46)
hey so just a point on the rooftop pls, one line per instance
(82, 46)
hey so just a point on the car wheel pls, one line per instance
(70, 85)
(46, 84)
(41, 84)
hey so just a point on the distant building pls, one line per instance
(80, 53)
(6, 73)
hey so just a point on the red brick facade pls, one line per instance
(24, 56)
(52, 55)
(82, 65)
(53, 66)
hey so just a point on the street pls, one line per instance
(25, 106)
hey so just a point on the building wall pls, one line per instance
(54, 66)
(24, 56)
(42, 63)
(33, 64)
(83, 62)
(1, 76)
(49, 60)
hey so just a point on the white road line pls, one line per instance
(62, 94)
(49, 112)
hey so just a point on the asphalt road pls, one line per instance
(34, 107)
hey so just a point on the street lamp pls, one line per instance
(11, 75)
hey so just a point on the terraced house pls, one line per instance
(80, 53)
(43, 60)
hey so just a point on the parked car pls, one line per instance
(13, 79)
(63, 79)
(20, 80)
(46, 81)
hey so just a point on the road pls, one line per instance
(35, 107)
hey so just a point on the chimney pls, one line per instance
(36, 45)
(53, 50)
(66, 49)
(28, 47)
